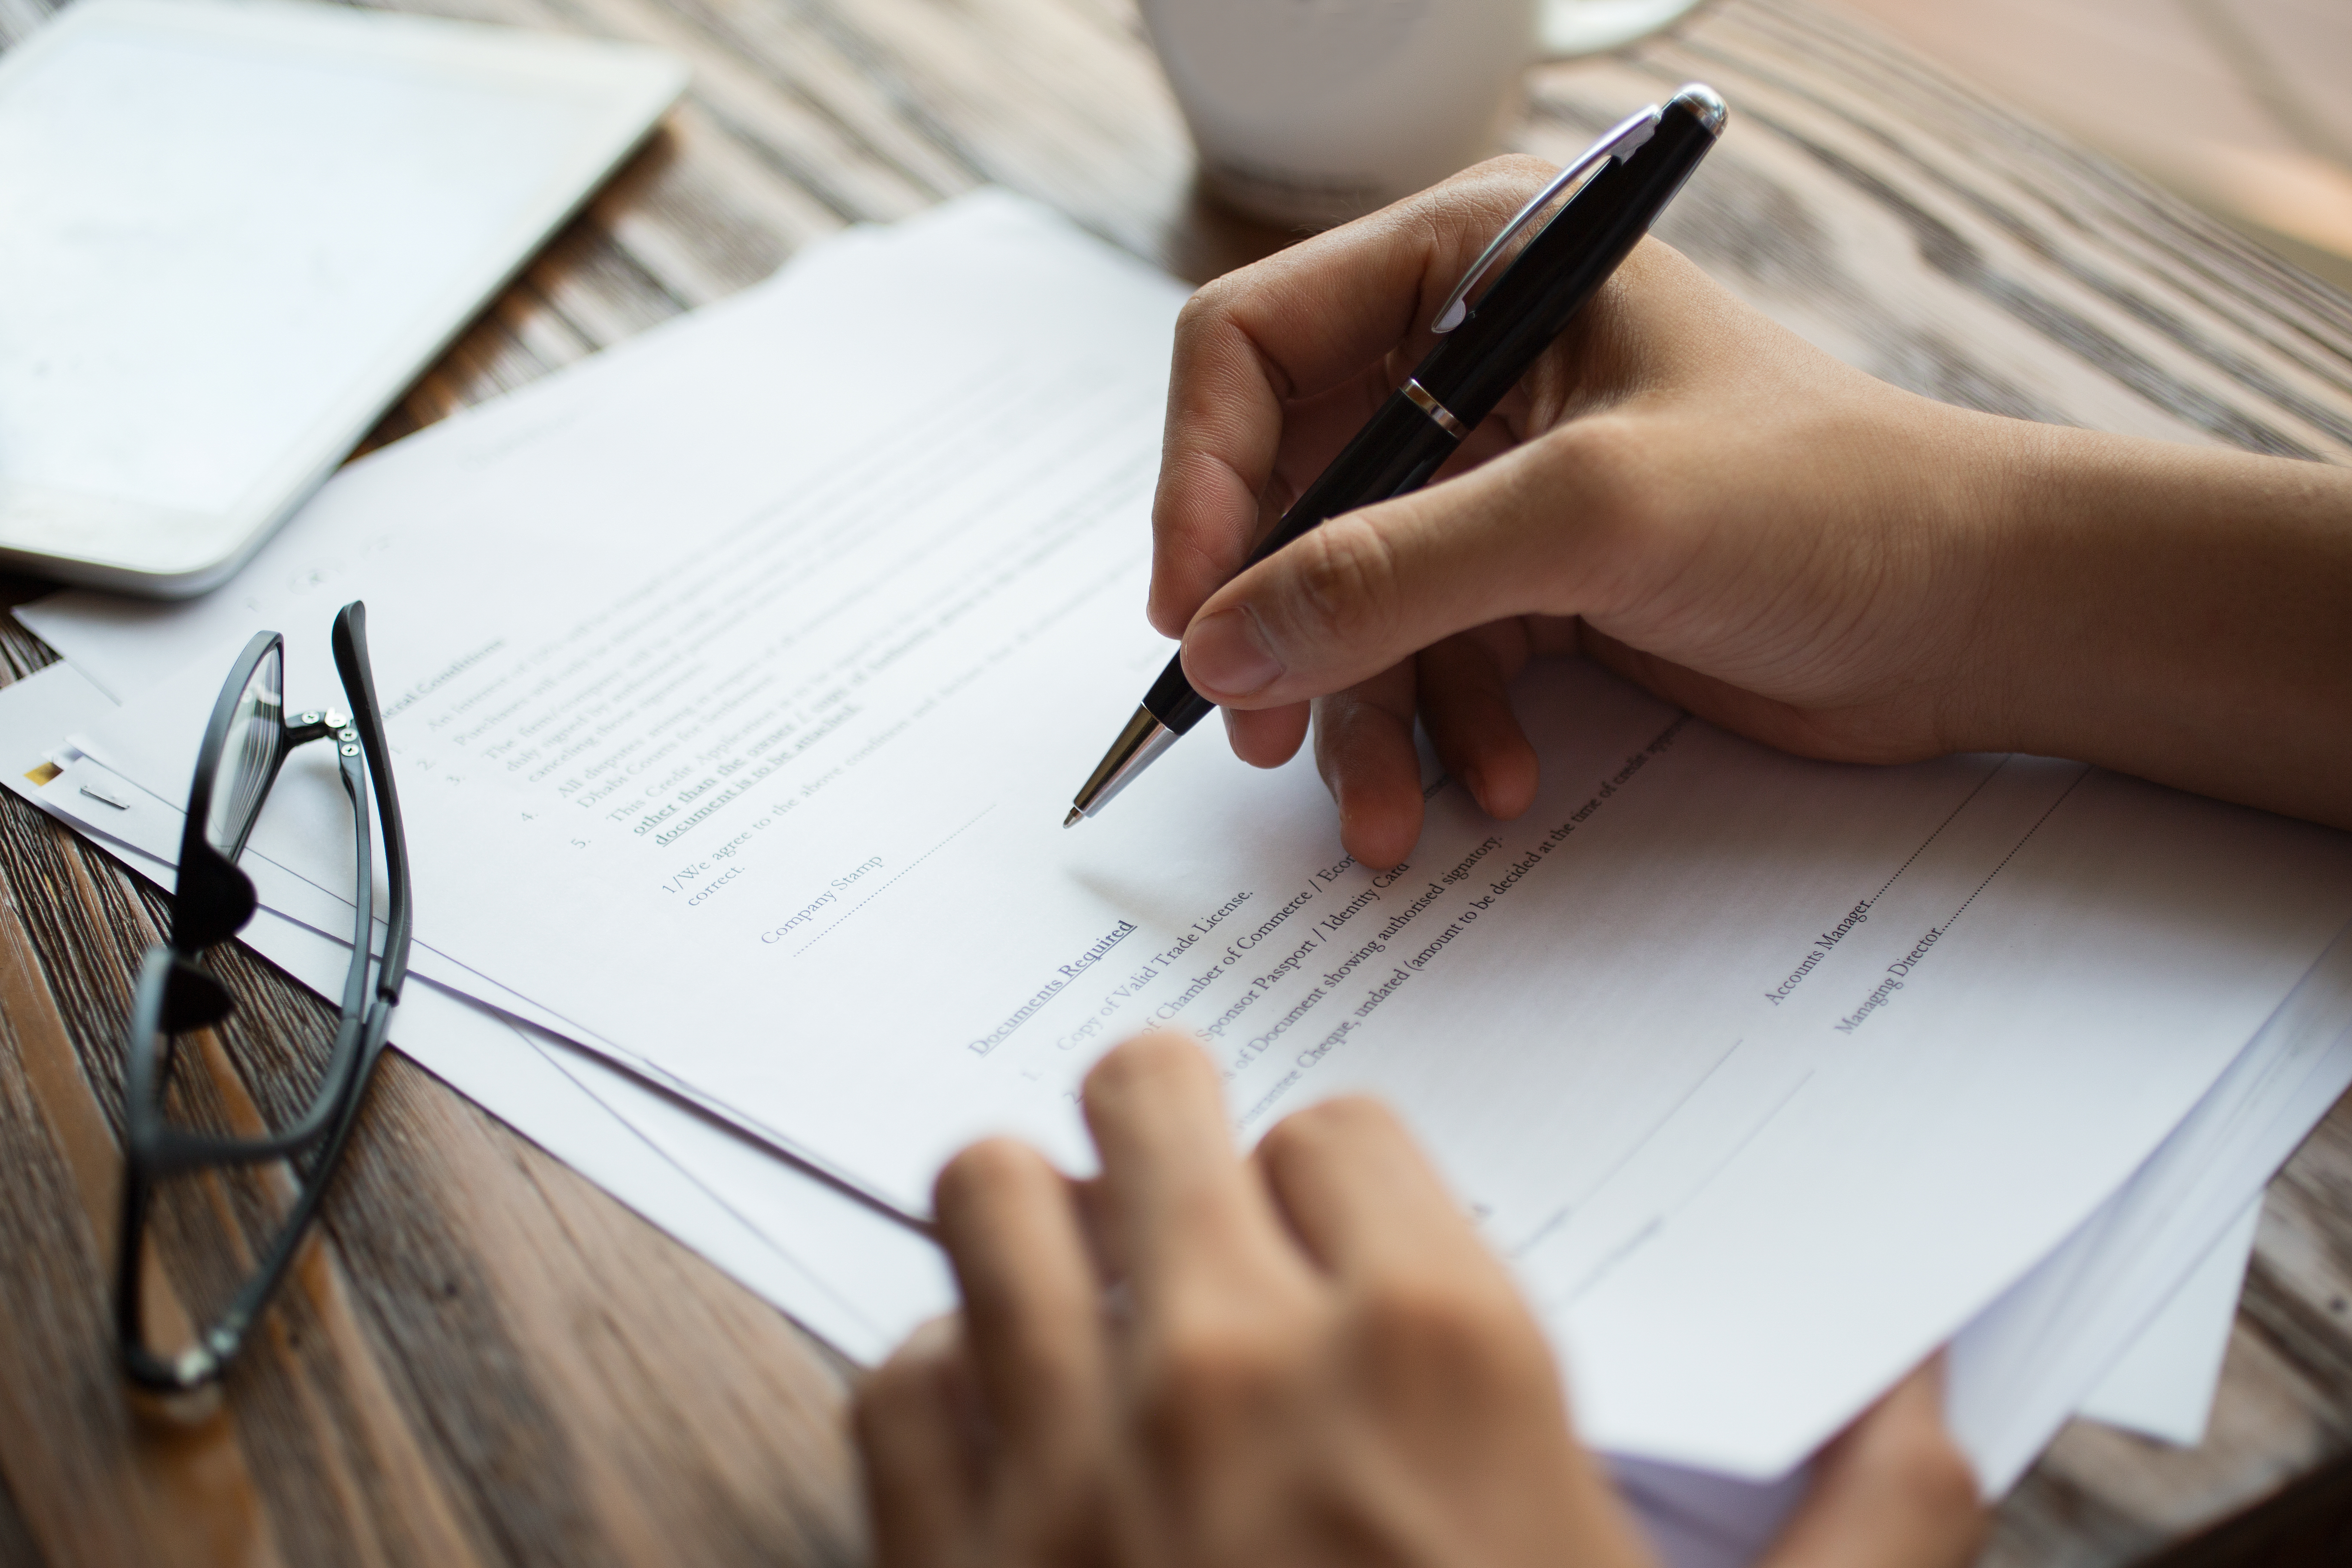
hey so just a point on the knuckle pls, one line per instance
(1464, 1336)
(1212, 324)
(1346, 588)
(1624, 506)
(1204, 310)
(1607, 462)
(1202, 1380)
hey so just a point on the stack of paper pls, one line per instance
(736, 682)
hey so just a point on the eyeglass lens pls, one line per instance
(252, 744)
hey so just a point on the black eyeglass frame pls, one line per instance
(176, 994)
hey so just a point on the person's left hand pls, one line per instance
(1304, 1357)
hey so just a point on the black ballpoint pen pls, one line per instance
(1482, 351)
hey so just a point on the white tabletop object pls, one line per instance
(231, 234)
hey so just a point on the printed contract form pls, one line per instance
(740, 762)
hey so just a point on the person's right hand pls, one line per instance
(1700, 500)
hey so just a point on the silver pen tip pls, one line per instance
(1075, 817)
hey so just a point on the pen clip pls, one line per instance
(1618, 141)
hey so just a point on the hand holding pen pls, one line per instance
(1580, 228)
(1695, 497)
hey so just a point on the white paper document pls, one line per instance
(861, 1279)
(748, 765)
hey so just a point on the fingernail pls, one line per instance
(1227, 655)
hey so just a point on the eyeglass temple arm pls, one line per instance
(349, 640)
(219, 1341)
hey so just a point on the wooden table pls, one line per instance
(490, 1361)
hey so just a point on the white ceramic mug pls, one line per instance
(1309, 112)
(1315, 112)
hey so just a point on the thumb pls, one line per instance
(1892, 1491)
(1368, 590)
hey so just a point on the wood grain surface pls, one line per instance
(484, 1359)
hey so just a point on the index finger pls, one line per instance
(1294, 325)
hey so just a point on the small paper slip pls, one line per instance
(736, 694)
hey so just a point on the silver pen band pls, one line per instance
(1438, 412)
